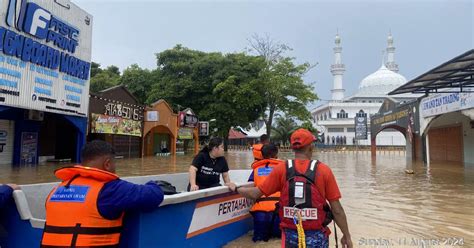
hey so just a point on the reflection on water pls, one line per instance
(381, 201)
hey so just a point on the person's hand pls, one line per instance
(194, 187)
(14, 186)
(346, 242)
(232, 186)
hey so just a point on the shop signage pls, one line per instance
(29, 148)
(115, 125)
(397, 115)
(203, 128)
(152, 116)
(360, 128)
(187, 120)
(120, 110)
(391, 118)
(185, 133)
(45, 56)
(442, 103)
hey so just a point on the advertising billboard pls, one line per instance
(45, 56)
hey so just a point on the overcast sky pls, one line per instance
(426, 33)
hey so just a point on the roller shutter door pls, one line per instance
(446, 144)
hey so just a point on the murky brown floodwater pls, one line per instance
(383, 204)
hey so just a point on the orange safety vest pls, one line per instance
(257, 151)
(261, 170)
(72, 217)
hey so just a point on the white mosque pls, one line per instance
(335, 119)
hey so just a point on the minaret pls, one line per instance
(337, 70)
(390, 64)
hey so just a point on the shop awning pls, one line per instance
(456, 75)
(2, 108)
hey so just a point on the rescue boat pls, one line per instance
(205, 218)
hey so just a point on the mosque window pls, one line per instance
(342, 114)
(361, 114)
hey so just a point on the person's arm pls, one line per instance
(341, 221)
(5, 194)
(226, 178)
(249, 192)
(119, 196)
(192, 178)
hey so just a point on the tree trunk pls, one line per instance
(226, 139)
(269, 122)
(226, 142)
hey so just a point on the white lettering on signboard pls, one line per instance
(215, 213)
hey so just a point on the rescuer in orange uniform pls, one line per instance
(257, 148)
(265, 210)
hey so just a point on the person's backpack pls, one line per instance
(166, 187)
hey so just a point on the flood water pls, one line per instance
(434, 207)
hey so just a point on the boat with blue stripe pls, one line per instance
(187, 219)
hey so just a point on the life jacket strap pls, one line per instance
(98, 246)
(78, 230)
(82, 230)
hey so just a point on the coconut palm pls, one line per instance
(282, 131)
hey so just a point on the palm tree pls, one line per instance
(283, 130)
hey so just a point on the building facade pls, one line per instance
(116, 116)
(446, 110)
(44, 81)
(335, 120)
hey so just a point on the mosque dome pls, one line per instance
(381, 82)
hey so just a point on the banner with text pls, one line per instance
(215, 213)
(442, 103)
(115, 125)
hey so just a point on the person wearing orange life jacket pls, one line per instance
(257, 148)
(86, 209)
(264, 211)
(305, 186)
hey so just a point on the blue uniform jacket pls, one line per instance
(118, 196)
(5, 194)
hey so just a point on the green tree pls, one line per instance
(102, 79)
(283, 129)
(95, 69)
(309, 126)
(284, 88)
(113, 70)
(183, 78)
(215, 86)
(236, 97)
(138, 81)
